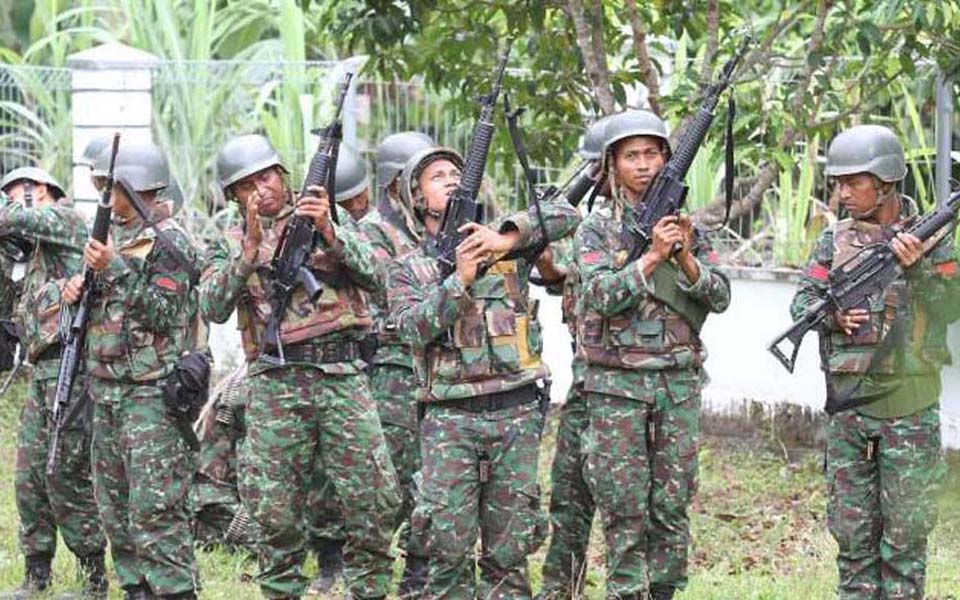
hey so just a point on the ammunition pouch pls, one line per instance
(185, 392)
(368, 348)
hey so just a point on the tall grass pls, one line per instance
(790, 214)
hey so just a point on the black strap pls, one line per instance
(162, 237)
(841, 401)
(596, 190)
(517, 138)
(728, 161)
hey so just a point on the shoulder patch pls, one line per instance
(168, 283)
(818, 272)
(946, 269)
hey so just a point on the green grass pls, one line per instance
(759, 530)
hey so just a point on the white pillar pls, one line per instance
(111, 92)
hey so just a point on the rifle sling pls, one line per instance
(163, 238)
(521, 150)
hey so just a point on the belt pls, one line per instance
(319, 353)
(493, 402)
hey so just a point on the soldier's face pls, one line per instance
(18, 189)
(123, 208)
(635, 162)
(267, 184)
(857, 193)
(437, 182)
(358, 205)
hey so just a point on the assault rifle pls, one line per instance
(462, 207)
(287, 268)
(667, 191)
(73, 332)
(868, 272)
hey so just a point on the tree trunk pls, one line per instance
(596, 65)
(650, 76)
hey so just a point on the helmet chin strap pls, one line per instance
(881, 197)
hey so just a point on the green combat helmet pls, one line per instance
(35, 175)
(870, 149)
(352, 177)
(140, 163)
(410, 176)
(394, 152)
(591, 142)
(631, 123)
(92, 150)
(245, 155)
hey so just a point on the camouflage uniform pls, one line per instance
(310, 411)
(883, 457)
(571, 504)
(642, 382)
(65, 499)
(479, 352)
(392, 379)
(139, 326)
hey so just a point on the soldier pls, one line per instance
(883, 460)
(139, 327)
(571, 505)
(638, 335)
(63, 500)
(317, 405)
(479, 350)
(353, 183)
(393, 231)
(92, 151)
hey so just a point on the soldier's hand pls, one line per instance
(851, 320)
(689, 235)
(666, 233)
(908, 249)
(253, 235)
(550, 270)
(72, 288)
(482, 238)
(316, 206)
(98, 255)
(468, 264)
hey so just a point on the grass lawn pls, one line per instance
(759, 529)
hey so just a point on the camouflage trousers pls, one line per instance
(396, 391)
(65, 499)
(571, 504)
(295, 417)
(641, 467)
(480, 477)
(882, 476)
(142, 472)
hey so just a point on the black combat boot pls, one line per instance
(662, 592)
(94, 575)
(414, 577)
(36, 578)
(330, 564)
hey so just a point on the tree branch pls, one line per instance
(713, 31)
(649, 74)
(712, 214)
(596, 65)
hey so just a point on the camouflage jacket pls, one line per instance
(391, 239)
(924, 300)
(567, 290)
(59, 234)
(142, 317)
(480, 340)
(624, 330)
(230, 283)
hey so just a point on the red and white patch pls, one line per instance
(947, 269)
(818, 272)
(167, 283)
